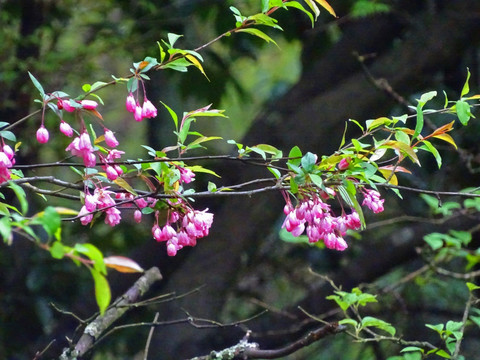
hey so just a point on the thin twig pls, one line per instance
(149, 339)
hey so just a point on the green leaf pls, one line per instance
(419, 124)
(352, 322)
(212, 187)
(466, 88)
(92, 252)
(8, 135)
(308, 162)
(426, 97)
(21, 196)
(463, 111)
(132, 85)
(275, 172)
(317, 180)
(172, 38)
(103, 295)
(295, 156)
(50, 220)
(412, 348)
(297, 5)
(6, 229)
(430, 148)
(259, 34)
(369, 321)
(435, 240)
(172, 114)
(199, 168)
(58, 250)
(37, 85)
(472, 286)
(288, 237)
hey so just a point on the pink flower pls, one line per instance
(113, 216)
(130, 103)
(148, 109)
(66, 129)
(89, 104)
(110, 139)
(372, 200)
(186, 175)
(85, 219)
(42, 135)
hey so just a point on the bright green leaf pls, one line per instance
(102, 290)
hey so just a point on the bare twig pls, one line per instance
(149, 339)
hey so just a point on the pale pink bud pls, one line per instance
(66, 129)
(111, 173)
(8, 151)
(110, 139)
(42, 135)
(171, 249)
(130, 103)
(4, 160)
(138, 113)
(137, 216)
(89, 104)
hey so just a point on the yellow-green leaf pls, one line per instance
(124, 185)
(447, 138)
(197, 64)
(327, 7)
(390, 176)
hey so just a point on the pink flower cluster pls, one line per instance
(82, 147)
(316, 216)
(6, 162)
(372, 200)
(191, 225)
(101, 199)
(146, 111)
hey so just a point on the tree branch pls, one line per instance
(102, 322)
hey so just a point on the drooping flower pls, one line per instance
(66, 129)
(138, 113)
(148, 110)
(89, 104)
(42, 135)
(130, 103)
(110, 139)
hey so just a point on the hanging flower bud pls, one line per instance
(42, 135)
